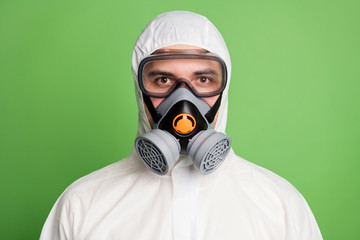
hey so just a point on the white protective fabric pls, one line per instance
(127, 201)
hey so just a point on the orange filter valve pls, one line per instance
(184, 123)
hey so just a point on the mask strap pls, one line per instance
(210, 115)
(155, 116)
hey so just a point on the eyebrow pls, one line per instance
(206, 72)
(169, 74)
(158, 72)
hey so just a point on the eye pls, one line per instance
(204, 80)
(163, 80)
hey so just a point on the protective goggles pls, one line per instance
(204, 74)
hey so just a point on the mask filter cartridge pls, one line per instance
(159, 150)
(208, 149)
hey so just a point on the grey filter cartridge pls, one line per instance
(159, 150)
(208, 149)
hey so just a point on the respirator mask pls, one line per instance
(183, 122)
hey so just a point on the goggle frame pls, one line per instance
(205, 56)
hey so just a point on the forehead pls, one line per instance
(178, 49)
(182, 65)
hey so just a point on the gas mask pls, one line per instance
(183, 122)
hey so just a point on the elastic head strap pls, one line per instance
(155, 116)
(210, 115)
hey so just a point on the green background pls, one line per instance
(68, 106)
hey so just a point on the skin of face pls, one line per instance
(177, 67)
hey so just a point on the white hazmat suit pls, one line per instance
(126, 200)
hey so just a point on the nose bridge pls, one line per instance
(183, 83)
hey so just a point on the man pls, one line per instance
(182, 179)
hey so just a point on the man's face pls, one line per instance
(195, 70)
(159, 75)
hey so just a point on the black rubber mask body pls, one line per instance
(170, 114)
(176, 115)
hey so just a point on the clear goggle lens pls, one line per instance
(205, 75)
